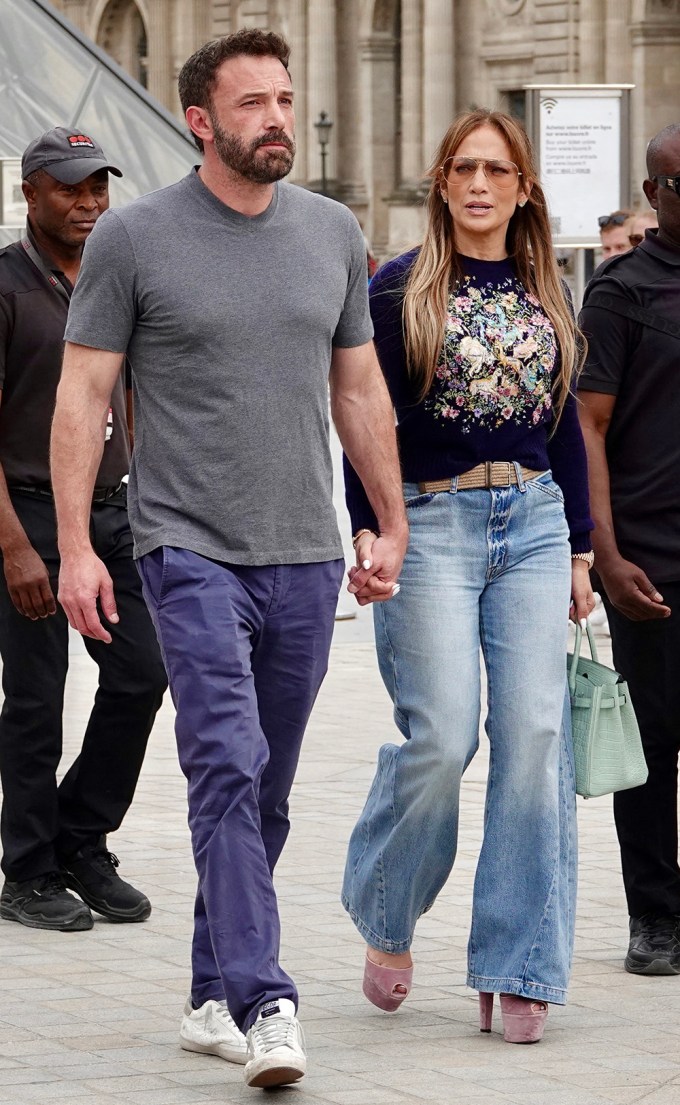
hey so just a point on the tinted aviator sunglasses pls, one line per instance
(672, 182)
(461, 170)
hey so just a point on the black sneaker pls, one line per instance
(654, 947)
(44, 903)
(91, 872)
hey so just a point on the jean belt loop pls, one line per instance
(454, 485)
(520, 478)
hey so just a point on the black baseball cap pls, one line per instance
(67, 155)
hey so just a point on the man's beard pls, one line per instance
(243, 159)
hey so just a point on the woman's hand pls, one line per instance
(374, 577)
(582, 597)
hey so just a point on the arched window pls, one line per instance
(123, 35)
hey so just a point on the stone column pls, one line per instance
(160, 65)
(321, 84)
(351, 173)
(617, 43)
(294, 29)
(379, 112)
(439, 73)
(412, 159)
(592, 43)
(656, 75)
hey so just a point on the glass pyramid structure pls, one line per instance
(51, 75)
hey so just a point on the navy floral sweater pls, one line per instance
(491, 398)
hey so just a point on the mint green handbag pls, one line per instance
(608, 752)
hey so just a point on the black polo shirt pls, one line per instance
(32, 323)
(639, 363)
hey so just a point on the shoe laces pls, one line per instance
(51, 883)
(222, 1013)
(105, 861)
(273, 1032)
(653, 926)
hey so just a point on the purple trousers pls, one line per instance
(246, 650)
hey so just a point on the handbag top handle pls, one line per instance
(577, 652)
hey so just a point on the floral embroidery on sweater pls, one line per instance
(497, 358)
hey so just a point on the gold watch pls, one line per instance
(588, 557)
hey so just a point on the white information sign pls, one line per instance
(13, 204)
(580, 160)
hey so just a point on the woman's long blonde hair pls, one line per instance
(437, 268)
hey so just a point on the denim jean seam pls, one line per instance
(372, 937)
(546, 909)
(545, 490)
(481, 983)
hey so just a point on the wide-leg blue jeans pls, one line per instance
(487, 568)
(246, 650)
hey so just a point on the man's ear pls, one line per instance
(199, 123)
(651, 190)
(29, 192)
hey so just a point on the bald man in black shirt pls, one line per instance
(630, 413)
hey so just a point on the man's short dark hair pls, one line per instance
(655, 149)
(198, 76)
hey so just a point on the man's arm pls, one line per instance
(27, 578)
(78, 435)
(364, 418)
(627, 586)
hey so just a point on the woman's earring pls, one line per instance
(444, 198)
(520, 203)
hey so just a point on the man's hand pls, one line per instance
(375, 576)
(631, 591)
(28, 582)
(83, 579)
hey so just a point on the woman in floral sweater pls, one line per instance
(478, 345)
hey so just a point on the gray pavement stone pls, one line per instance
(94, 1017)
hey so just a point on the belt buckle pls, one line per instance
(488, 474)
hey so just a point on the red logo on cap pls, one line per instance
(80, 140)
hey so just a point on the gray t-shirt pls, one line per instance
(229, 324)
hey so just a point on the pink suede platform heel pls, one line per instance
(523, 1019)
(386, 987)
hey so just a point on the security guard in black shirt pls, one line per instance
(630, 413)
(54, 837)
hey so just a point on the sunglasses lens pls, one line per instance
(503, 174)
(611, 220)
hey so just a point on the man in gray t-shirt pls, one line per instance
(237, 300)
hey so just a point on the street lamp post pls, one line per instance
(323, 127)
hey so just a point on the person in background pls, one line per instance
(613, 234)
(637, 224)
(476, 337)
(54, 837)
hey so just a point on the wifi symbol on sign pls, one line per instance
(549, 104)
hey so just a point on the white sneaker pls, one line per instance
(211, 1030)
(276, 1046)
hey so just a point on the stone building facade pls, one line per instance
(392, 73)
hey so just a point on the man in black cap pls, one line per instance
(54, 837)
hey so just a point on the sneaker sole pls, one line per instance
(119, 916)
(263, 1078)
(81, 923)
(654, 967)
(220, 1050)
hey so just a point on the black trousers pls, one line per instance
(647, 654)
(41, 822)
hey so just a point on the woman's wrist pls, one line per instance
(360, 533)
(587, 558)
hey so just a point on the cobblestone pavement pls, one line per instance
(92, 1018)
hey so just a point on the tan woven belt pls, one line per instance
(493, 473)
